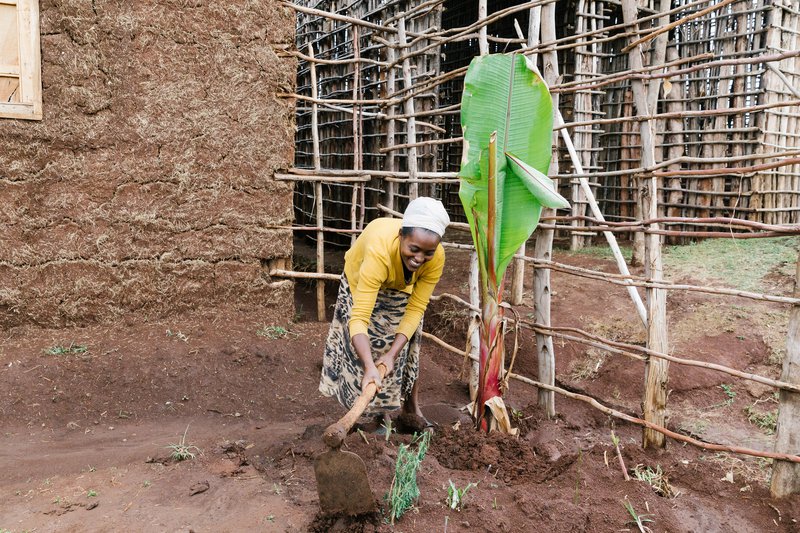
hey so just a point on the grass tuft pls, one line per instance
(767, 421)
(455, 496)
(72, 349)
(404, 490)
(182, 451)
(656, 479)
(275, 332)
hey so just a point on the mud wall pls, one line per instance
(148, 185)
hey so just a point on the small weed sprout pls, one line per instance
(182, 451)
(72, 349)
(178, 335)
(730, 393)
(455, 496)
(91, 493)
(388, 426)
(656, 479)
(404, 490)
(638, 519)
(730, 397)
(768, 421)
(275, 332)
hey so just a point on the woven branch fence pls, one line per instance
(677, 121)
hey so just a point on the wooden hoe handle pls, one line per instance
(335, 433)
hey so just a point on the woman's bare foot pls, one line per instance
(413, 421)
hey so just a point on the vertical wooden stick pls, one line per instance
(786, 475)
(358, 126)
(391, 164)
(357, 158)
(475, 336)
(483, 41)
(656, 370)
(321, 316)
(582, 103)
(543, 249)
(411, 124)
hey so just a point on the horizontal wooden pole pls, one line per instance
(680, 114)
(624, 416)
(454, 225)
(728, 170)
(663, 29)
(278, 273)
(340, 18)
(330, 179)
(369, 172)
(660, 429)
(421, 143)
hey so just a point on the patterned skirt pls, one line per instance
(342, 370)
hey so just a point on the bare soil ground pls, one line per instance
(85, 434)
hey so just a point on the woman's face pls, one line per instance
(417, 248)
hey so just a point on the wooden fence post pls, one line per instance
(786, 475)
(543, 248)
(317, 190)
(656, 370)
(391, 77)
(411, 124)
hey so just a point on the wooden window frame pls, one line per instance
(30, 64)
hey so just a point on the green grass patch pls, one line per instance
(275, 332)
(602, 251)
(739, 264)
(72, 349)
(766, 420)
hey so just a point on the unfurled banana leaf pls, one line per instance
(503, 94)
(507, 119)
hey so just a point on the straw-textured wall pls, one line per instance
(149, 182)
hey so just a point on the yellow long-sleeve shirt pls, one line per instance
(374, 263)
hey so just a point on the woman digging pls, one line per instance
(389, 275)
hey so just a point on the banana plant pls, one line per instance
(507, 122)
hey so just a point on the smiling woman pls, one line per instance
(389, 275)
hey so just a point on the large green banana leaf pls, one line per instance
(503, 94)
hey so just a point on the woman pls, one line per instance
(389, 275)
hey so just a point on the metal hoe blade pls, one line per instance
(342, 483)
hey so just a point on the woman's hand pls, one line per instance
(371, 374)
(386, 360)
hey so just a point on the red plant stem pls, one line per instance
(492, 351)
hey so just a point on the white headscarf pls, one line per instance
(427, 213)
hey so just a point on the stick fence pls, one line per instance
(676, 121)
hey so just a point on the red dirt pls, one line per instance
(93, 427)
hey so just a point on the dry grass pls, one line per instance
(750, 470)
(618, 329)
(656, 478)
(764, 320)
